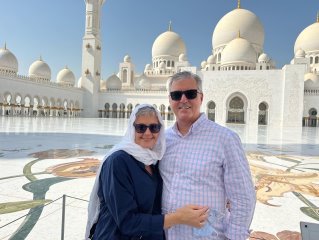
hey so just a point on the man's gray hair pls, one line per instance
(185, 75)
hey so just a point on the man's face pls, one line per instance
(186, 110)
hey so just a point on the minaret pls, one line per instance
(91, 57)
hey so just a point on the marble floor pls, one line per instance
(43, 159)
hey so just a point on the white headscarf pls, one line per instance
(144, 155)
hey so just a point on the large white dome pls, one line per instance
(237, 20)
(308, 39)
(113, 83)
(8, 62)
(40, 70)
(168, 43)
(239, 50)
(66, 76)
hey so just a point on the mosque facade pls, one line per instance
(241, 83)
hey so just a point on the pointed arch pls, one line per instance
(236, 106)
(129, 110)
(210, 110)
(263, 113)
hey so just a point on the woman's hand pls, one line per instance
(192, 215)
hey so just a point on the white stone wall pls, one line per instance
(282, 90)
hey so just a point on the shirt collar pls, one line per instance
(194, 128)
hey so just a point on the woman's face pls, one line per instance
(146, 139)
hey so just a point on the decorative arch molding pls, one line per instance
(313, 120)
(162, 109)
(51, 103)
(7, 97)
(211, 110)
(27, 100)
(170, 114)
(16, 98)
(236, 108)
(122, 111)
(263, 113)
(129, 110)
(114, 110)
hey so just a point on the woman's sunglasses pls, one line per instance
(189, 94)
(141, 128)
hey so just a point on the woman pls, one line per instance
(125, 202)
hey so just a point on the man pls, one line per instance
(204, 164)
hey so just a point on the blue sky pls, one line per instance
(54, 29)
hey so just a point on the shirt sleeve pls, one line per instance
(239, 189)
(118, 190)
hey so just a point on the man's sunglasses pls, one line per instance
(189, 94)
(141, 128)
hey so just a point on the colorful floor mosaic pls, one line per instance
(42, 159)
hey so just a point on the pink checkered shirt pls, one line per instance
(205, 167)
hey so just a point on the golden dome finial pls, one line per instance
(238, 4)
(170, 26)
(318, 16)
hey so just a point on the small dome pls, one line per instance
(182, 57)
(312, 77)
(66, 77)
(211, 59)
(263, 58)
(241, 20)
(309, 83)
(203, 64)
(308, 39)
(300, 53)
(127, 59)
(148, 67)
(162, 65)
(113, 83)
(143, 83)
(238, 50)
(168, 43)
(8, 62)
(40, 70)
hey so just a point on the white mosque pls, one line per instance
(241, 83)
